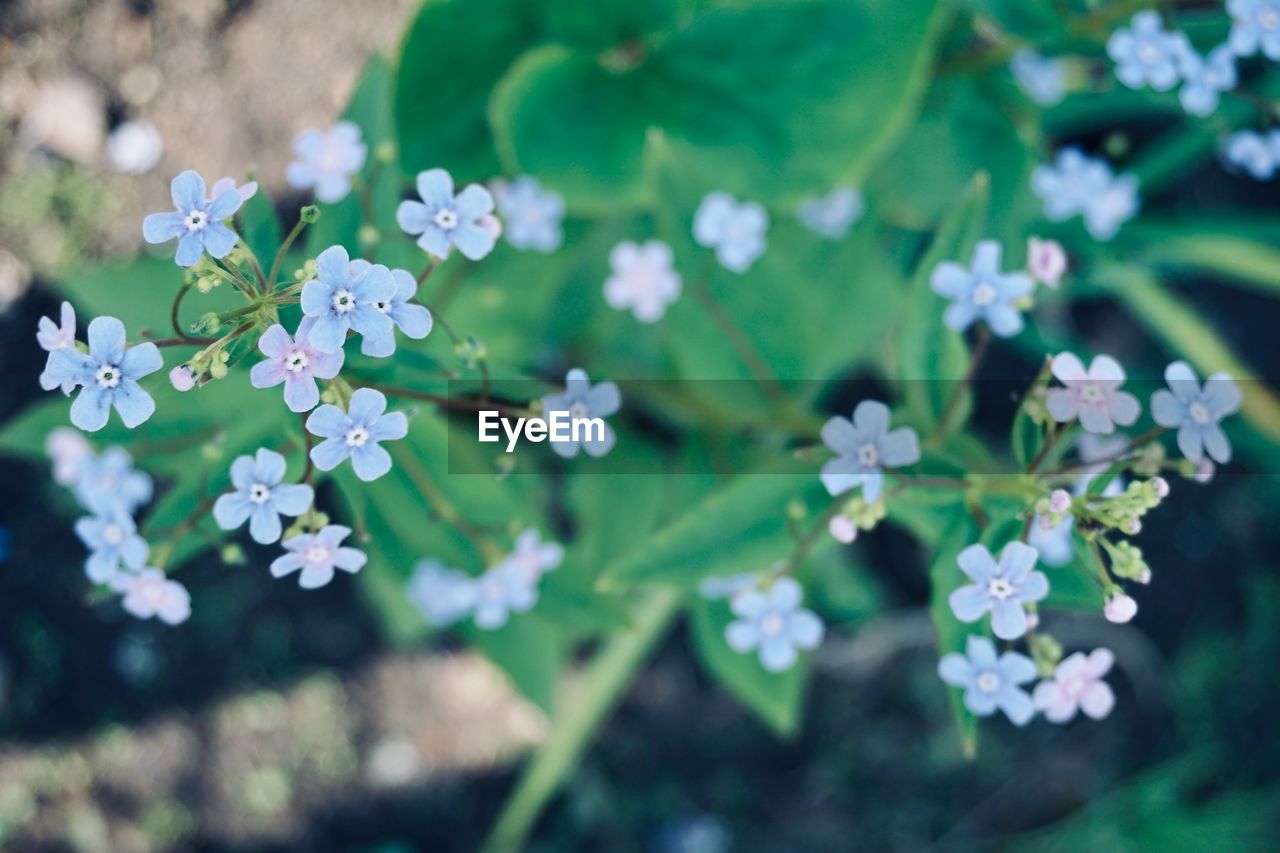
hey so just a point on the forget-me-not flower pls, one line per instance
(246, 190)
(734, 229)
(1147, 54)
(1055, 545)
(410, 318)
(1257, 154)
(643, 279)
(108, 375)
(441, 594)
(1044, 79)
(1255, 24)
(1195, 411)
(833, 214)
(442, 220)
(983, 291)
(531, 214)
(197, 222)
(296, 363)
(581, 400)
(864, 447)
(1078, 185)
(502, 590)
(772, 623)
(1077, 685)
(533, 557)
(1093, 396)
(326, 161)
(341, 300)
(109, 483)
(261, 497)
(54, 336)
(355, 434)
(999, 588)
(318, 555)
(68, 450)
(112, 541)
(149, 593)
(990, 682)
(1205, 78)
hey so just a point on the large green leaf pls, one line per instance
(776, 698)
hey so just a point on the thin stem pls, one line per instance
(184, 342)
(444, 508)
(746, 350)
(432, 263)
(284, 250)
(1146, 438)
(263, 284)
(173, 311)
(981, 344)
(807, 540)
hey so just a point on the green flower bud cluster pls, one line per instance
(1127, 561)
(1125, 511)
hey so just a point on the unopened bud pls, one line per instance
(1131, 526)
(368, 236)
(1204, 471)
(309, 214)
(1060, 501)
(843, 529)
(1120, 608)
(182, 378)
(1161, 487)
(492, 224)
(232, 554)
(385, 152)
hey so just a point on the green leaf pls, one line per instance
(944, 578)
(930, 357)
(776, 698)
(1036, 20)
(530, 650)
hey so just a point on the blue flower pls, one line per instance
(982, 291)
(109, 376)
(149, 593)
(412, 319)
(442, 595)
(1093, 396)
(833, 214)
(197, 223)
(533, 557)
(1076, 184)
(581, 400)
(54, 336)
(772, 623)
(1255, 24)
(643, 279)
(1206, 78)
(999, 588)
(327, 160)
(356, 433)
(500, 591)
(1257, 154)
(260, 497)
(342, 301)
(864, 447)
(531, 214)
(1043, 79)
(735, 230)
(1195, 411)
(108, 483)
(296, 363)
(1077, 685)
(318, 555)
(1147, 54)
(991, 683)
(443, 220)
(113, 541)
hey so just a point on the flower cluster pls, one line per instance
(1076, 185)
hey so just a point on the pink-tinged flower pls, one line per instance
(531, 557)
(1077, 685)
(182, 378)
(246, 191)
(1091, 396)
(67, 448)
(55, 336)
(643, 279)
(842, 529)
(149, 593)
(1120, 608)
(296, 363)
(317, 556)
(1046, 261)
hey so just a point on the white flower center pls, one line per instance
(984, 294)
(988, 682)
(578, 410)
(1269, 18)
(771, 625)
(316, 554)
(113, 534)
(868, 456)
(258, 493)
(999, 588)
(357, 436)
(492, 589)
(1091, 395)
(108, 376)
(446, 219)
(1199, 412)
(343, 301)
(196, 220)
(1148, 52)
(153, 592)
(1075, 685)
(296, 361)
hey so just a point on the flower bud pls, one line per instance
(1131, 526)
(1144, 577)
(1046, 261)
(309, 214)
(1161, 487)
(182, 378)
(1204, 471)
(492, 224)
(1120, 608)
(368, 236)
(385, 152)
(1060, 501)
(843, 529)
